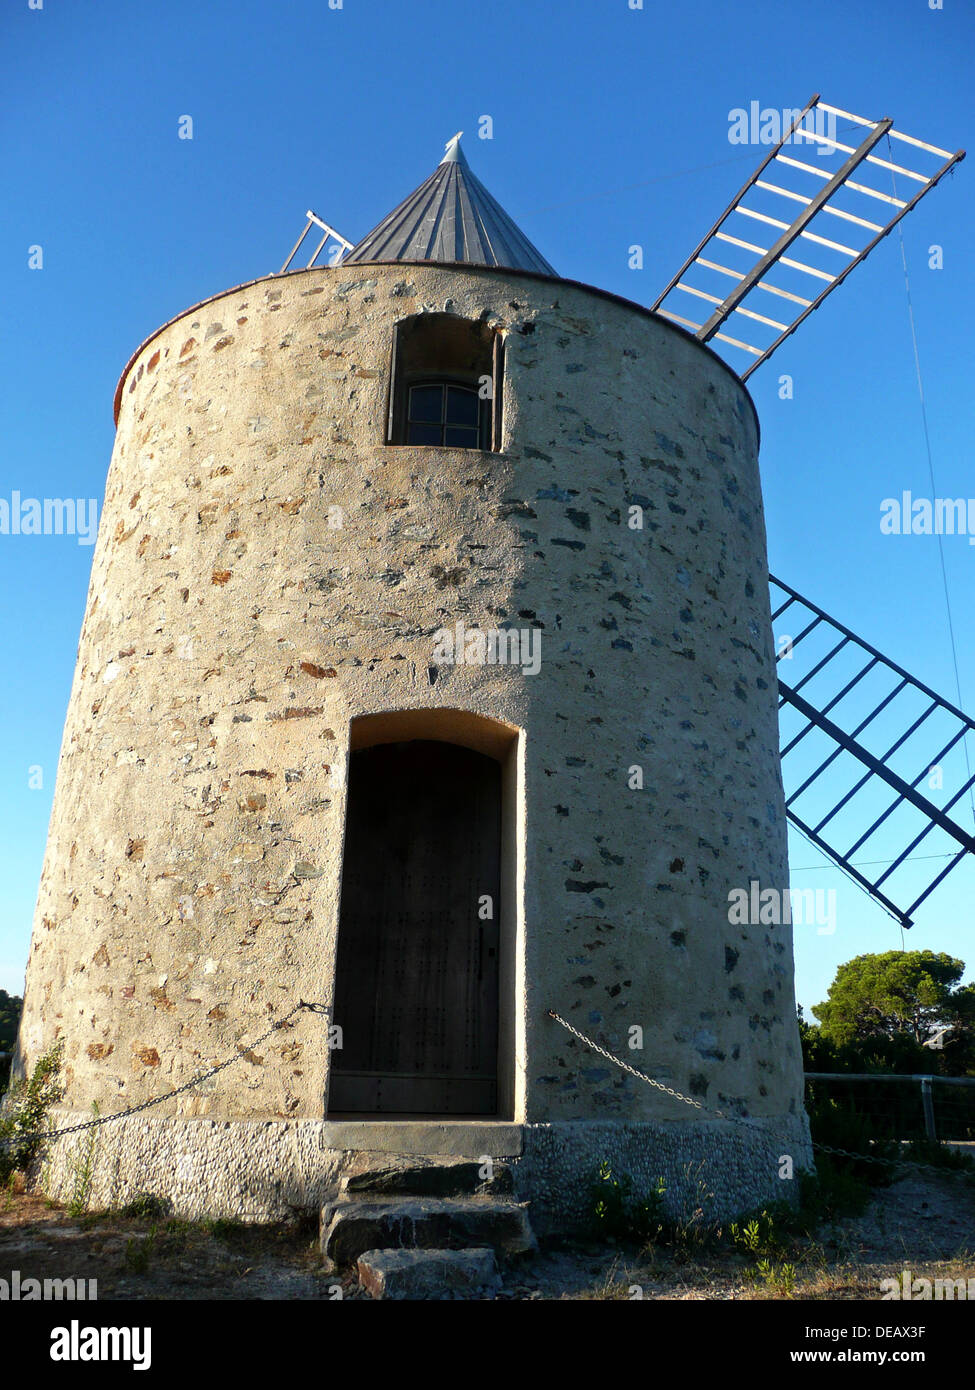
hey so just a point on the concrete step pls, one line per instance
(419, 1139)
(428, 1274)
(436, 1178)
(351, 1225)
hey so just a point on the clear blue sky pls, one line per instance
(610, 128)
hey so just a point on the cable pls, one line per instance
(867, 863)
(927, 445)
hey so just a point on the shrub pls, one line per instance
(834, 1124)
(24, 1117)
(146, 1206)
(615, 1213)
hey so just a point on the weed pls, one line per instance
(758, 1237)
(24, 1118)
(692, 1230)
(616, 1214)
(223, 1229)
(833, 1191)
(83, 1170)
(613, 1288)
(778, 1279)
(139, 1251)
(145, 1206)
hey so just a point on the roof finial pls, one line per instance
(453, 155)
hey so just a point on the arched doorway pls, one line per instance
(418, 958)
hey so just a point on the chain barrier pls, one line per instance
(742, 1119)
(302, 1005)
(658, 1085)
(14, 1140)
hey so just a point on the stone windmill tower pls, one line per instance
(427, 671)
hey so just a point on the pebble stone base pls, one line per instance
(270, 1170)
(725, 1167)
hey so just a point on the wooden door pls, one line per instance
(416, 990)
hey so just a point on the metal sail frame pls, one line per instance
(747, 295)
(848, 741)
(330, 234)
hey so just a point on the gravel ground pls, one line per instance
(924, 1223)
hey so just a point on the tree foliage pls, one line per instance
(10, 1007)
(882, 1008)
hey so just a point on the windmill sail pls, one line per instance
(881, 732)
(328, 234)
(800, 209)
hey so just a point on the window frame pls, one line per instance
(401, 380)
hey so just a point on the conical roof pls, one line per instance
(449, 218)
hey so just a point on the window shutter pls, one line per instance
(498, 384)
(394, 422)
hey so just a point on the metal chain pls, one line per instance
(744, 1120)
(658, 1085)
(323, 1009)
(14, 1140)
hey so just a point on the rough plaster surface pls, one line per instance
(190, 889)
(252, 1170)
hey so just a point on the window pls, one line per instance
(443, 412)
(445, 387)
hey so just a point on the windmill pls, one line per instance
(480, 420)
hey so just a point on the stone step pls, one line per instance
(438, 1178)
(351, 1225)
(428, 1274)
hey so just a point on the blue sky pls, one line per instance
(610, 128)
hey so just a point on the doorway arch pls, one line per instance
(424, 961)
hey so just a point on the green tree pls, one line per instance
(10, 1007)
(897, 997)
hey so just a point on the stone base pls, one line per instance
(272, 1170)
(242, 1170)
(725, 1168)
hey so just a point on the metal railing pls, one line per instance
(921, 1109)
(748, 1121)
